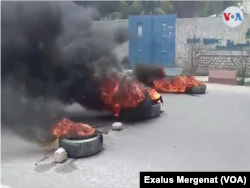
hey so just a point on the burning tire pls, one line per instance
(143, 111)
(83, 147)
(155, 111)
(197, 89)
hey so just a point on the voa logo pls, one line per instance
(232, 16)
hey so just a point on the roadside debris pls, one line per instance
(60, 155)
(117, 126)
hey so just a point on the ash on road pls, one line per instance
(207, 132)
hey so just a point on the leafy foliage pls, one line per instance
(184, 9)
(141, 8)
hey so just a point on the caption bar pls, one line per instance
(193, 178)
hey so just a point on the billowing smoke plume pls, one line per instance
(49, 51)
(147, 73)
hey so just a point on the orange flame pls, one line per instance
(67, 128)
(116, 97)
(117, 93)
(154, 95)
(179, 84)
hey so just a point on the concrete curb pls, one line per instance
(204, 81)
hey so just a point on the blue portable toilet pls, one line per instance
(152, 40)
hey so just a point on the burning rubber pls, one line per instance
(144, 110)
(197, 89)
(83, 147)
(135, 114)
(155, 77)
(78, 139)
(58, 56)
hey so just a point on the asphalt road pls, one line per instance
(196, 133)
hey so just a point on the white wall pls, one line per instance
(207, 27)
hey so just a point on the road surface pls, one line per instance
(196, 133)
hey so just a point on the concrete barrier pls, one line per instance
(173, 71)
(222, 77)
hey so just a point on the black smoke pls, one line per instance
(147, 73)
(50, 52)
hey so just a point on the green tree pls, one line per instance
(183, 9)
(226, 4)
(104, 7)
(208, 8)
(190, 9)
(141, 8)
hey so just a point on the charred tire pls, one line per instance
(197, 89)
(155, 111)
(137, 113)
(144, 110)
(83, 148)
